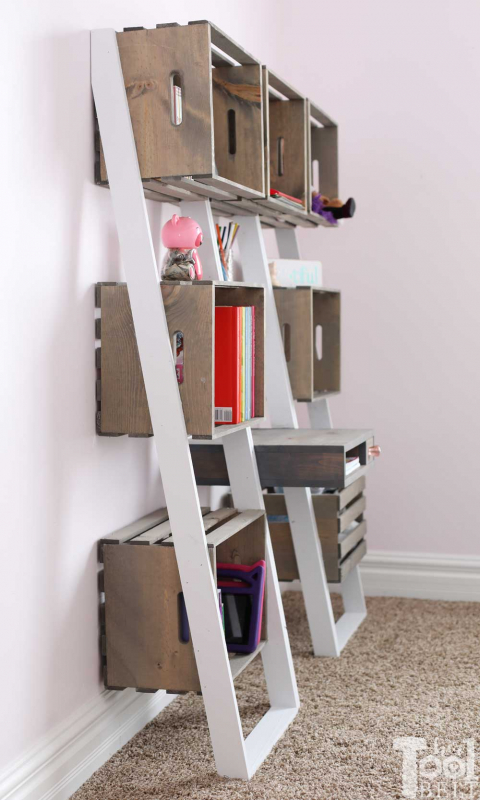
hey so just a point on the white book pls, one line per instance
(351, 464)
(295, 272)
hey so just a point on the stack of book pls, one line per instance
(234, 364)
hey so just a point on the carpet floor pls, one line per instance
(411, 670)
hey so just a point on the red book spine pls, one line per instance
(227, 365)
(253, 361)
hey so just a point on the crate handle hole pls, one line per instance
(176, 98)
(319, 342)
(280, 155)
(286, 340)
(316, 175)
(183, 626)
(179, 355)
(232, 132)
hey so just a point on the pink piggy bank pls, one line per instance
(182, 236)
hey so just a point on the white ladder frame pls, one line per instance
(234, 756)
(328, 638)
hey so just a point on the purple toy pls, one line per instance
(243, 590)
(319, 208)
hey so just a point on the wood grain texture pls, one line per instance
(352, 560)
(327, 505)
(189, 308)
(326, 313)
(266, 130)
(350, 538)
(298, 457)
(124, 406)
(142, 621)
(324, 149)
(345, 438)
(148, 59)
(287, 119)
(142, 587)
(136, 528)
(295, 316)
(338, 535)
(299, 311)
(159, 532)
(226, 44)
(239, 90)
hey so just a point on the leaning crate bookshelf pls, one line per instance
(173, 108)
(190, 309)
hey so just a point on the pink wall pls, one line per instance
(62, 486)
(403, 82)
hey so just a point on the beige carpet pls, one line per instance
(412, 669)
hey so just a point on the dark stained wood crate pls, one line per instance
(142, 644)
(190, 308)
(322, 149)
(292, 457)
(217, 149)
(341, 529)
(286, 143)
(302, 311)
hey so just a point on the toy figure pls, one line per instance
(334, 209)
(182, 236)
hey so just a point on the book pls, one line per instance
(248, 362)
(286, 198)
(295, 272)
(351, 463)
(228, 356)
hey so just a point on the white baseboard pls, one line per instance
(421, 575)
(58, 765)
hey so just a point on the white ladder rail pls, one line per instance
(351, 588)
(247, 493)
(234, 757)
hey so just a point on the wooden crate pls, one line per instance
(322, 155)
(292, 457)
(285, 148)
(190, 308)
(341, 528)
(301, 312)
(217, 149)
(141, 643)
